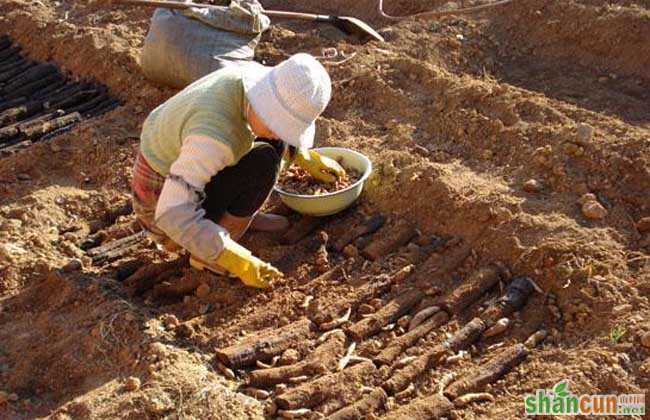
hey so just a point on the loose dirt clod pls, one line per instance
(322, 263)
(351, 251)
(584, 132)
(643, 225)
(270, 408)
(73, 265)
(406, 393)
(532, 186)
(429, 407)
(289, 357)
(132, 384)
(645, 340)
(202, 291)
(593, 210)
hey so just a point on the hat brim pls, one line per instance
(259, 92)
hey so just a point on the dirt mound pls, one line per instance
(509, 146)
(610, 38)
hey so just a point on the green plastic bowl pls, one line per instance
(334, 202)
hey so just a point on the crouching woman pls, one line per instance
(210, 156)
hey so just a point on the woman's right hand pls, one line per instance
(242, 263)
(321, 167)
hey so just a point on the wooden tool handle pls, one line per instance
(160, 3)
(183, 6)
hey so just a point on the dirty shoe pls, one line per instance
(269, 222)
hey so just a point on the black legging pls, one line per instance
(241, 189)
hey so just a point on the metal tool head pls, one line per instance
(354, 26)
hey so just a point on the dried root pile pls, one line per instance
(296, 180)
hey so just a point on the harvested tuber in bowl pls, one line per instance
(305, 195)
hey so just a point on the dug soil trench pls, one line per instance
(502, 243)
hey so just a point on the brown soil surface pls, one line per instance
(518, 139)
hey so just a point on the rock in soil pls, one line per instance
(289, 357)
(594, 210)
(587, 197)
(170, 321)
(584, 132)
(72, 265)
(132, 384)
(622, 309)
(532, 186)
(645, 242)
(643, 225)
(365, 309)
(351, 251)
(202, 291)
(645, 339)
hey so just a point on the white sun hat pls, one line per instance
(289, 97)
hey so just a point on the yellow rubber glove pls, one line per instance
(251, 270)
(320, 167)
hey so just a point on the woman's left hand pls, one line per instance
(320, 167)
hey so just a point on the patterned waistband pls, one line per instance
(146, 186)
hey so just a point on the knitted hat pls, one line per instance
(289, 97)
